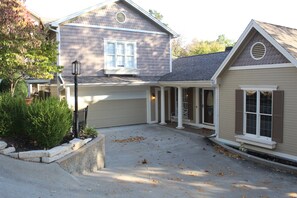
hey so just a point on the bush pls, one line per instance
(48, 121)
(88, 132)
(21, 89)
(12, 110)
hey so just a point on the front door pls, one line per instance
(208, 110)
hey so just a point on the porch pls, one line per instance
(192, 105)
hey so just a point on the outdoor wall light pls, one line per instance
(153, 96)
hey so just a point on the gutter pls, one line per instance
(152, 83)
(206, 83)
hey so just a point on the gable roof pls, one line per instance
(284, 39)
(195, 68)
(102, 4)
(285, 36)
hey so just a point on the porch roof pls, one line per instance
(195, 68)
(112, 80)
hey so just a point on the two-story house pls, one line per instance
(123, 51)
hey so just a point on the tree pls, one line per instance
(223, 40)
(205, 47)
(156, 14)
(178, 49)
(26, 50)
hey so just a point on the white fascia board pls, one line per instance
(152, 83)
(71, 16)
(270, 66)
(114, 28)
(207, 83)
(234, 49)
(291, 58)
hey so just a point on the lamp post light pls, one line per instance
(75, 71)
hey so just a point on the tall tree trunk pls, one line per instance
(13, 86)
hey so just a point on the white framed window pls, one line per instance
(258, 113)
(120, 54)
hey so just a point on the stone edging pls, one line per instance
(274, 165)
(44, 156)
(89, 158)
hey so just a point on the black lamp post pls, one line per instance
(75, 71)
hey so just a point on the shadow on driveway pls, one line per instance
(157, 161)
(149, 161)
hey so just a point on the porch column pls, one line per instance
(162, 106)
(180, 109)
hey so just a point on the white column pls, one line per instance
(217, 111)
(180, 109)
(162, 106)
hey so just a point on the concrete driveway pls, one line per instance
(149, 161)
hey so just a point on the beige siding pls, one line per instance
(284, 78)
(92, 95)
(153, 105)
(117, 113)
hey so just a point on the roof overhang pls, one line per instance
(255, 25)
(131, 3)
(37, 81)
(206, 83)
(122, 84)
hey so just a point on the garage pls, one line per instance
(111, 106)
(117, 113)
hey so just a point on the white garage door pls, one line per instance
(117, 113)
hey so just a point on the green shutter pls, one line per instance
(239, 112)
(278, 116)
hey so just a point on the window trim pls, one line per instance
(258, 116)
(116, 42)
(256, 140)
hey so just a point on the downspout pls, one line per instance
(216, 86)
(170, 53)
(59, 76)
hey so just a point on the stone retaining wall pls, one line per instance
(89, 158)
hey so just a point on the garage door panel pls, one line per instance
(117, 113)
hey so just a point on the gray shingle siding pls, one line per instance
(195, 68)
(272, 56)
(87, 45)
(106, 16)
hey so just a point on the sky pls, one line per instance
(192, 19)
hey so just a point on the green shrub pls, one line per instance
(88, 132)
(21, 89)
(48, 121)
(12, 110)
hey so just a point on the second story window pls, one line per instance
(120, 54)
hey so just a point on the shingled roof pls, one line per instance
(285, 36)
(195, 68)
(113, 80)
